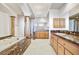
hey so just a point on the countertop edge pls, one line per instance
(66, 39)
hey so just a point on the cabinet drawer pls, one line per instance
(61, 41)
(67, 52)
(55, 37)
(73, 48)
(60, 50)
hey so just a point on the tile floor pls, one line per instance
(40, 47)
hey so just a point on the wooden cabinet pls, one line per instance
(54, 42)
(55, 45)
(58, 22)
(60, 49)
(41, 35)
(73, 48)
(55, 22)
(67, 52)
(61, 22)
(63, 47)
(61, 41)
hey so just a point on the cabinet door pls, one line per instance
(58, 22)
(46, 35)
(61, 23)
(51, 41)
(54, 42)
(60, 50)
(55, 46)
(73, 48)
(67, 52)
(42, 35)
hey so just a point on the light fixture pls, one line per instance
(76, 17)
(41, 24)
(42, 20)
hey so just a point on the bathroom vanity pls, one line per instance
(65, 44)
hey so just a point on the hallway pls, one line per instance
(39, 47)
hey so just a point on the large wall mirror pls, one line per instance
(74, 23)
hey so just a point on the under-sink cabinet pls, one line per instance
(62, 46)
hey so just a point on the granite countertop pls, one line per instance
(8, 42)
(72, 38)
(42, 31)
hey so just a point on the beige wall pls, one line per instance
(57, 14)
(5, 25)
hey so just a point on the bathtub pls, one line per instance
(8, 42)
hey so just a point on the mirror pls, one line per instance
(74, 23)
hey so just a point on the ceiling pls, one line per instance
(57, 5)
(3, 9)
(15, 7)
(11, 9)
(42, 9)
(33, 9)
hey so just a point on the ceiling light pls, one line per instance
(41, 24)
(43, 20)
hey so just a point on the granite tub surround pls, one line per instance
(5, 37)
(72, 38)
(8, 42)
(10, 45)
